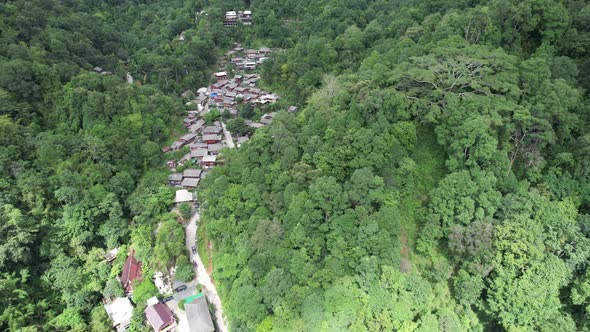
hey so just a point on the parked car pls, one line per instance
(180, 289)
(169, 298)
(194, 249)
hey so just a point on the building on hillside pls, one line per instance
(232, 18)
(209, 161)
(131, 272)
(176, 145)
(192, 173)
(183, 196)
(190, 183)
(246, 17)
(111, 255)
(160, 317)
(197, 314)
(211, 139)
(212, 130)
(221, 76)
(214, 149)
(120, 312)
(175, 179)
(198, 154)
(188, 138)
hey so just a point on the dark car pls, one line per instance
(169, 298)
(180, 289)
(194, 249)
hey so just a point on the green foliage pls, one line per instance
(184, 269)
(143, 290)
(185, 210)
(436, 177)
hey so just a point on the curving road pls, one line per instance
(202, 275)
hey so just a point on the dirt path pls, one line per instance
(202, 274)
(405, 266)
(228, 138)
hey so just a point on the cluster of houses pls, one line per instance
(204, 142)
(245, 59)
(241, 89)
(157, 314)
(232, 18)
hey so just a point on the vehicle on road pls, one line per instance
(194, 249)
(169, 298)
(180, 289)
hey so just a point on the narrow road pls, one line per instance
(202, 275)
(228, 138)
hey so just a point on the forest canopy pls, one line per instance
(435, 178)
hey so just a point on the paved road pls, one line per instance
(202, 275)
(228, 138)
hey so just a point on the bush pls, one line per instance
(184, 269)
(185, 210)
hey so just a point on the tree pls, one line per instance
(185, 210)
(184, 269)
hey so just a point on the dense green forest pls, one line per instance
(435, 179)
(80, 163)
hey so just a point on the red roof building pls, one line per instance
(131, 272)
(160, 317)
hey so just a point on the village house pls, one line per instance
(231, 19)
(120, 312)
(131, 272)
(250, 65)
(234, 112)
(264, 50)
(188, 138)
(198, 154)
(217, 86)
(188, 121)
(214, 149)
(246, 17)
(230, 87)
(166, 149)
(292, 109)
(198, 145)
(209, 161)
(175, 179)
(228, 102)
(221, 76)
(197, 314)
(188, 94)
(176, 145)
(183, 196)
(192, 173)
(240, 90)
(160, 317)
(171, 164)
(255, 125)
(190, 183)
(211, 139)
(212, 130)
(267, 118)
(184, 159)
(111, 255)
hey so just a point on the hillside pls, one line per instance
(435, 176)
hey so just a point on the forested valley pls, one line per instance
(435, 178)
